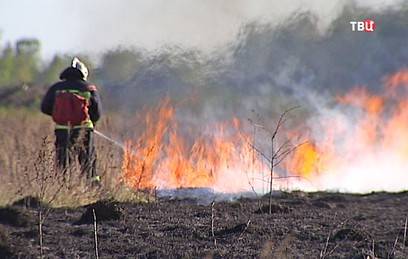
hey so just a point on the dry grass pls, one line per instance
(27, 165)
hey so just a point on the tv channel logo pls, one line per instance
(367, 25)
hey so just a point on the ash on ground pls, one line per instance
(204, 196)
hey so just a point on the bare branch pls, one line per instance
(282, 120)
(405, 231)
(245, 229)
(212, 223)
(95, 235)
(261, 153)
(281, 153)
(284, 154)
(287, 142)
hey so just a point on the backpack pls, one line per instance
(71, 107)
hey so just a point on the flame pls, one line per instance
(362, 144)
(306, 160)
(359, 144)
(221, 158)
(140, 156)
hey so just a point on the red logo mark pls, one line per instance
(369, 25)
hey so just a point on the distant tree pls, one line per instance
(27, 60)
(52, 71)
(7, 63)
(29, 47)
(120, 65)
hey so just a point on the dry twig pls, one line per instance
(405, 231)
(276, 155)
(95, 235)
(212, 223)
(245, 229)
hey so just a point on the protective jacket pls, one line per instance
(71, 81)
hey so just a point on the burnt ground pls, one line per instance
(302, 225)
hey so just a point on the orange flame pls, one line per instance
(161, 157)
(361, 144)
(359, 149)
(141, 156)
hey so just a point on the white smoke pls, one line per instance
(359, 165)
(205, 25)
(97, 25)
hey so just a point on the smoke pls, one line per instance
(294, 53)
(262, 65)
(362, 144)
(269, 67)
(205, 25)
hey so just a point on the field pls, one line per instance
(27, 163)
(137, 225)
(317, 225)
(229, 129)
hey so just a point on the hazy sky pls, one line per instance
(95, 25)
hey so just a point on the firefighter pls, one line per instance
(75, 107)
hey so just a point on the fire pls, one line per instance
(306, 160)
(359, 144)
(221, 158)
(141, 156)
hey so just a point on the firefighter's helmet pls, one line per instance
(76, 63)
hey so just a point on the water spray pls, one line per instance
(115, 142)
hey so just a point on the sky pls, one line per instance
(93, 26)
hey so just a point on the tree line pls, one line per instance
(21, 63)
(266, 68)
